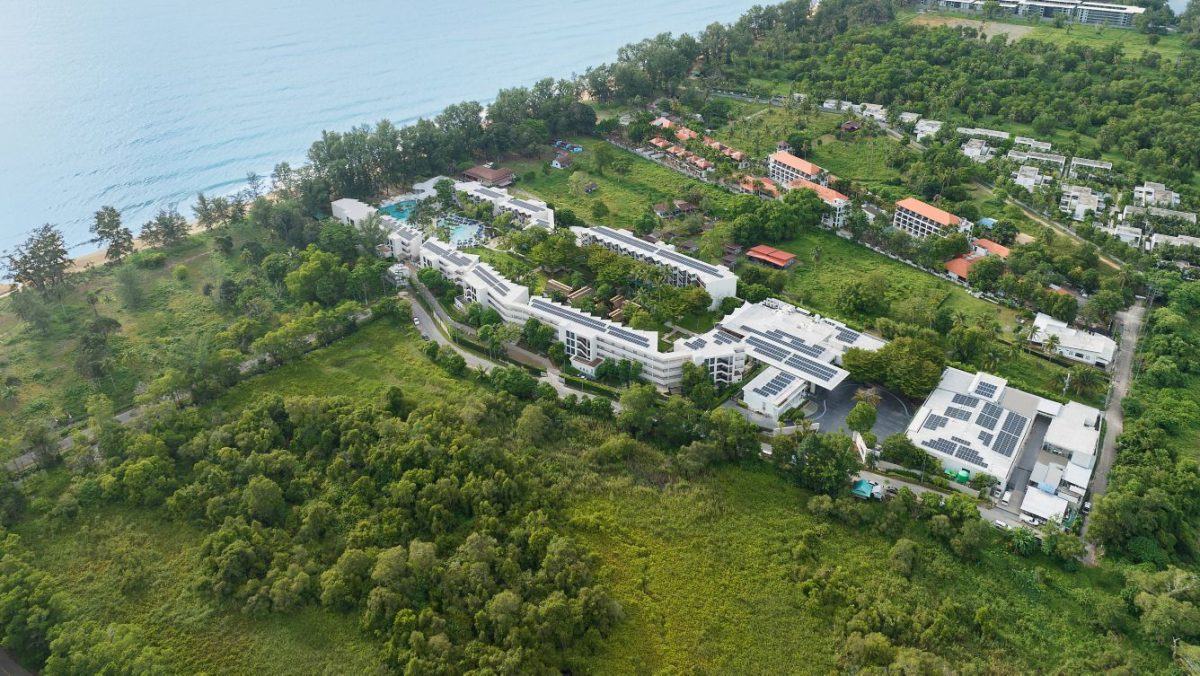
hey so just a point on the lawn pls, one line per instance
(758, 132)
(826, 263)
(862, 159)
(625, 196)
(709, 577)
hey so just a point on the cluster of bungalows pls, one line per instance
(685, 134)
(975, 423)
(1080, 11)
(682, 155)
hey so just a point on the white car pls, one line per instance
(1000, 524)
(1031, 520)
(416, 320)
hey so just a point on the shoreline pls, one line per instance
(99, 257)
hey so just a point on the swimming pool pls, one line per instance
(465, 234)
(400, 210)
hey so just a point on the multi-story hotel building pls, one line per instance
(922, 220)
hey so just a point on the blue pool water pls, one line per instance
(400, 210)
(466, 234)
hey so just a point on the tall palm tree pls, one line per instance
(1084, 379)
(1051, 344)
(868, 395)
(960, 318)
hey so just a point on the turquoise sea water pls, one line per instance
(139, 104)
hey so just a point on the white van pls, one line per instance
(1007, 496)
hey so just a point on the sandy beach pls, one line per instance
(96, 258)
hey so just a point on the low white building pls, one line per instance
(909, 118)
(1074, 435)
(978, 150)
(1151, 194)
(1086, 167)
(1126, 233)
(1132, 214)
(1157, 239)
(875, 112)
(1074, 344)
(836, 201)
(351, 211)
(974, 422)
(1059, 162)
(979, 132)
(774, 392)
(1079, 201)
(927, 128)
(526, 211)
(1042, 146)
(1030, 178)
(718, 280)
(1043, 506)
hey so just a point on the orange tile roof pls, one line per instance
(768, 186)
(685, 134)
(770, 254)
(994, 248)
(960, 265)
(804, 166)
(928, 211)
(825, 193)
(659, 142)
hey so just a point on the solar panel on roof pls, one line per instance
(935, 421)
(628, 336)
(625, 239)
(796, 343)
(960, 440)
(969, 455)
(966, 400)
(1006, 444)
(776, 384)
(568, 315)
(986, 438)
(847, 336)
(958, 413)
(825, 373)
(1014, 423)
(941, 445)
(696, 344)
(772, 351)
(989, 416)
(985, 390)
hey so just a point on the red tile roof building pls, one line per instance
(836, 201)
(771, 256)
(988, 247)
(922, 220)
(491, 178)
(765, 187)
(785, 167)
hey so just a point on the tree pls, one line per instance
(166, 228)
(263, 500)
(639, 406)
(107, 228)
(904, 556)
(819, 462)
(40, 262)
(85, 647)
(861, 418)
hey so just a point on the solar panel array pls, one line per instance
(846, 335)
(629, 336)
(722, 338)
(958, 413)
(970, 455)
(776, 384)
(525, 205)
(696, 343)
(989, 416)
(941, 445)
(986, 438)
(1014, 423)
(966, 400)
(935, 422)
(796, 342)
(563, 313)
(1006, 444)
(772, 351)
(492, 280)
(812, 368)
(960, 440)
(679, 259)
(985, 390)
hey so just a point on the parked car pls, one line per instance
(1007, 497)
(1087, 507)
(416, 320)
(1000, 524)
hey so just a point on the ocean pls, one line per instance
(140, 104)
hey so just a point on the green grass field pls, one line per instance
(706, 575)
(626, 196)
(758, 132)
(863, 160)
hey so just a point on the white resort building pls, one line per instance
(718, 280)
(1151, 194)
(784, 167)
(922, 220)
(1079, 201)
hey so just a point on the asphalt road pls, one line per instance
(1130, 326)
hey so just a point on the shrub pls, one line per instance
(151, 259)
(180, 272)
